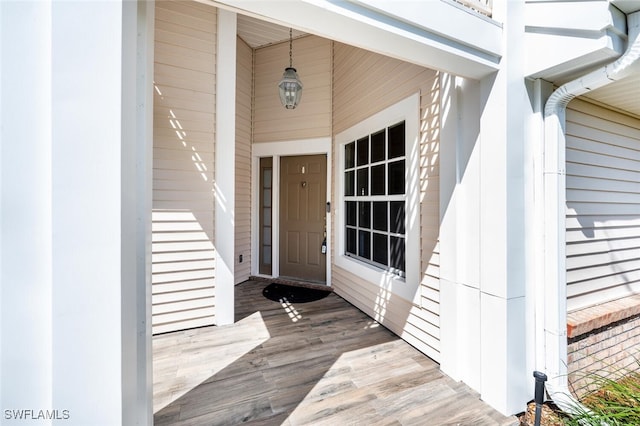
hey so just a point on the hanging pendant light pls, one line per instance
(290, 86)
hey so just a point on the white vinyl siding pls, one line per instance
(312, 117)
(244, 87)
(183, 254)
(603, 205)
(364, 84)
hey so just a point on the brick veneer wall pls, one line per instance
(609, 351)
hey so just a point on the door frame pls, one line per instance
(277, 150)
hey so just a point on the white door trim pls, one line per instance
(277, 150)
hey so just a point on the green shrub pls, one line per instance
(615, 402)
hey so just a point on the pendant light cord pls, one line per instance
(290, 47)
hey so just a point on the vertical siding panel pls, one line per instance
(243, 161)
(603, 205)
(364, 84)
(183, 254)
(312, 117)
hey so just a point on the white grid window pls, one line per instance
(374, 198)
(377, 199)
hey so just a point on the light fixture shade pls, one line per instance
(290, 88)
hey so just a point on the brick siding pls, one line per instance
(609, 351)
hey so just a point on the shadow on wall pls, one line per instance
(602, 207)
(183, 248)
(384, 305)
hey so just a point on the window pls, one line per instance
(377, 231)
(265, 219)
(374, 198)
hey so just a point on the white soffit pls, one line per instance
(623, 94)
(258, 33)
(450, 20)
(627, 6)
(560, 47)
(376, 30)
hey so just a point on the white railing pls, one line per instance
(483, 6)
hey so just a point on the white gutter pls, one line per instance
(555, 294)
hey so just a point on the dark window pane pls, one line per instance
(396, 140)
(351, 213)
(377, 180)
(396, 177)
(266, 236)
(377, 146)
(380, 215)
(351, 241)
(266, 217)
(380, 250)
(266, 196)
(363, 182)
(396, 214)
(349, 155)
(397, 253)
(267, 177)
(364, 244)
(364, 214)
(349, 183)
(363, 151)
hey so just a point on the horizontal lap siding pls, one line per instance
(243, 161)
(312, 117)
(603, 205)
(183, 253)
(430, 213)
(364, 84)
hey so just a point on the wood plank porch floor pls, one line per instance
(317, 363)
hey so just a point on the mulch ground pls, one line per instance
(549, 416)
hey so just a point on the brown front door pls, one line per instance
(303, 198)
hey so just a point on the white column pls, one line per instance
(505, 252)
(144, 182)
(25, 208)
(75, 186)
(137, 181)
(225, 166)
(97, 222)
(459, 230)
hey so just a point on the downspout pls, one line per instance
(555, 294)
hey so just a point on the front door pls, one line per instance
(303, 198)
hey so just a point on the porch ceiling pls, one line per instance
(622, 94)
(258, 33)
(458, 51)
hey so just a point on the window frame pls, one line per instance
(371, 200)
(407, 110)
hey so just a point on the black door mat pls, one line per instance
(293, 294)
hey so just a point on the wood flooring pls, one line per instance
(316, 363)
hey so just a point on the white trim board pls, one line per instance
(277, 150)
